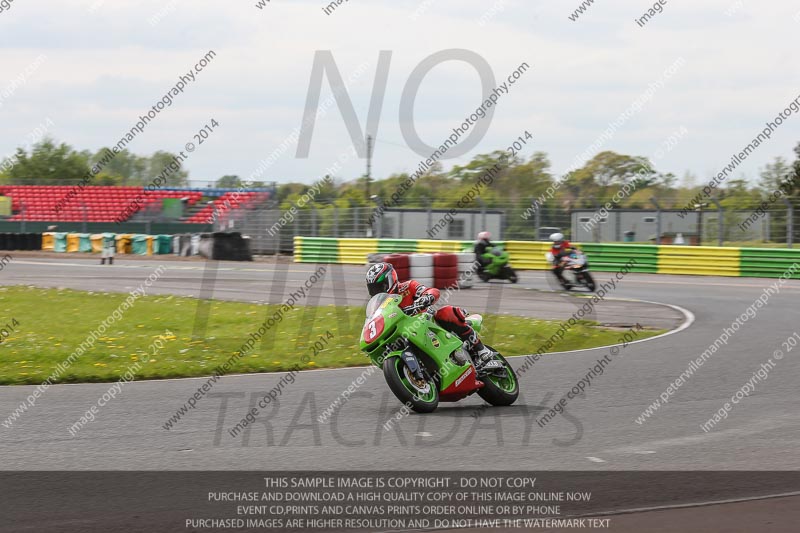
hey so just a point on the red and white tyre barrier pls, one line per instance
(466, 269)
(401, 264)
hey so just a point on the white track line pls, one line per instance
(695, 504)
(688, 315)
(657, 508)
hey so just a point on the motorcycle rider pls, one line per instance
(483, 245)
(417, 298)
(560, 249)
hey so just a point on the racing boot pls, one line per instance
(481, 355)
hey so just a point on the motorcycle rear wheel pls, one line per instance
(420, 398)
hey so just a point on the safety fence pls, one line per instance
(530, 255)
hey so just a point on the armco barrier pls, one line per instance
(427, 247)
(699, 260)
(612, 257)
(353, 251)
(389, 246)
(768, 262)
(528, 255)
(317, 250)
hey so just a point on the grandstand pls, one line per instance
(109, 203)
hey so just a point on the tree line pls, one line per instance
(520, 180)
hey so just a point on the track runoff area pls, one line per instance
(599, 439)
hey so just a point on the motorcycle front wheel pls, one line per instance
(511, 275)
(590, 284)
(421, 396)
(501, 389)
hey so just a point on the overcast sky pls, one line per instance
(107, 62)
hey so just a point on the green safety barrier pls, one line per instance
(612, 257)
(770, 262)
(388, 246)
(650, 258)
(316, 250)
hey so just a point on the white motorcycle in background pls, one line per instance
(576, 270)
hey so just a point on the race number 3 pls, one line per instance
(373, 329)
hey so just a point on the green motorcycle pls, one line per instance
(498, 267)
(424, 364)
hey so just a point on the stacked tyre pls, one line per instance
(373, 259)
(421, 268)
(401, 264)
(445, 271)
(466, 269)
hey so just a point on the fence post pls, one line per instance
(314, 221)
(335, 221)
(83, 223)
(379, 208)
(537, 220)
(430, 216)
(720, 220)
(483, 213)
(658, 219)
(596, 230)
(789, 222)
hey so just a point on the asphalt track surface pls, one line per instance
(597, 432)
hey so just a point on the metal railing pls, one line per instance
(272, 230)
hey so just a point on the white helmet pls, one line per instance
(557, 238)
(484, 236)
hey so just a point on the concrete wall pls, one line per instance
(415, 224)
(643, 224)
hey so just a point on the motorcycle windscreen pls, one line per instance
(376, 302)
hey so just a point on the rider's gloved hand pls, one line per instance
(426, 300)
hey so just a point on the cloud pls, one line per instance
(107, 65)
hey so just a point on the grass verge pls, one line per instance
(154, 336)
